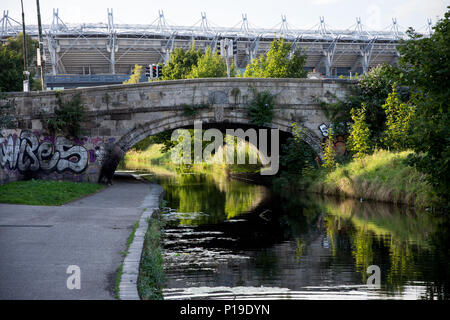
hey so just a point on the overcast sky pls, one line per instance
(339, 14)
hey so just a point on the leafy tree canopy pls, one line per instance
(11, 68)
(181, 63)
(11, 64)
(427, 61)
(135, 76)
(210, 65)
(278, 63)
(372, 89)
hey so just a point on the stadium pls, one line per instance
(87, 54)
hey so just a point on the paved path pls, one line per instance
(37, 244)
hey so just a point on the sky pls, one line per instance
(301, 14)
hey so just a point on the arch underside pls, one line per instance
(171, 123)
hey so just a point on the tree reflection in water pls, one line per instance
(296, 241)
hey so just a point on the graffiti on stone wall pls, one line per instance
(27, 153)
(340, 128)
(100, 154)
(324, 129)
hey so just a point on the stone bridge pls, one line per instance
(119, 116)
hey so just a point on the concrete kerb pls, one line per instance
(130, 271)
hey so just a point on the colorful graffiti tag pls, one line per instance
(28, 153)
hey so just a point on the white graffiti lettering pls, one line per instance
(27, 153)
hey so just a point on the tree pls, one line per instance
(279, 63)
(11, 69)
(17, 46)
(11, 63)
(359, 140)
(427, 61)
(135, 76)
(398, 116)
(329, 153)
(371, 90)
(181, 63)
(210, 65)
(374, 88)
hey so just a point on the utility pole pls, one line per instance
(41, 59)
(26, 73)
(227, 55)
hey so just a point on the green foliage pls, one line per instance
(372, 89)
(151, 269)
(11, 69)
(135, 76)
(17, 46)
(210, 65)
(428, 63)
(192, 109)
(383, 176)
(124, 253)
(398, 116)
(11, 64)
(260, 109)
(298, 165)
(7, 109)
(235, 93)
(278, 63)
(329, 153)
(68, 116)
(163, 138)
(181, 63)
(193, 63)
(45, 193)
(296, 155)
(143, 144)
(359, 141)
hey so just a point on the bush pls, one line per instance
(359, 142)
(261, 107)
(329, 154)
(398, 116)
(68, 116)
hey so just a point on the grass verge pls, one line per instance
(151, 269)
(45, 193)
(124, 253)
(382, 176)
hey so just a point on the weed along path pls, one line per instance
(71, 251)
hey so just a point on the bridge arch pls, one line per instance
(240, 120)
(119, 116)
(141, 132)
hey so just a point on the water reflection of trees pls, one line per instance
(219, 197)
(408, 246)
(396, 238)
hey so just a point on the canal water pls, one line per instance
(229, 239)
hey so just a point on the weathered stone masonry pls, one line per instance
(121, 115)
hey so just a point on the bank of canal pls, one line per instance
(227, 239)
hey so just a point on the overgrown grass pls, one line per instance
(383, 176)
(151, 269)
(151, 155)
(45, 193)
(153, 159)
